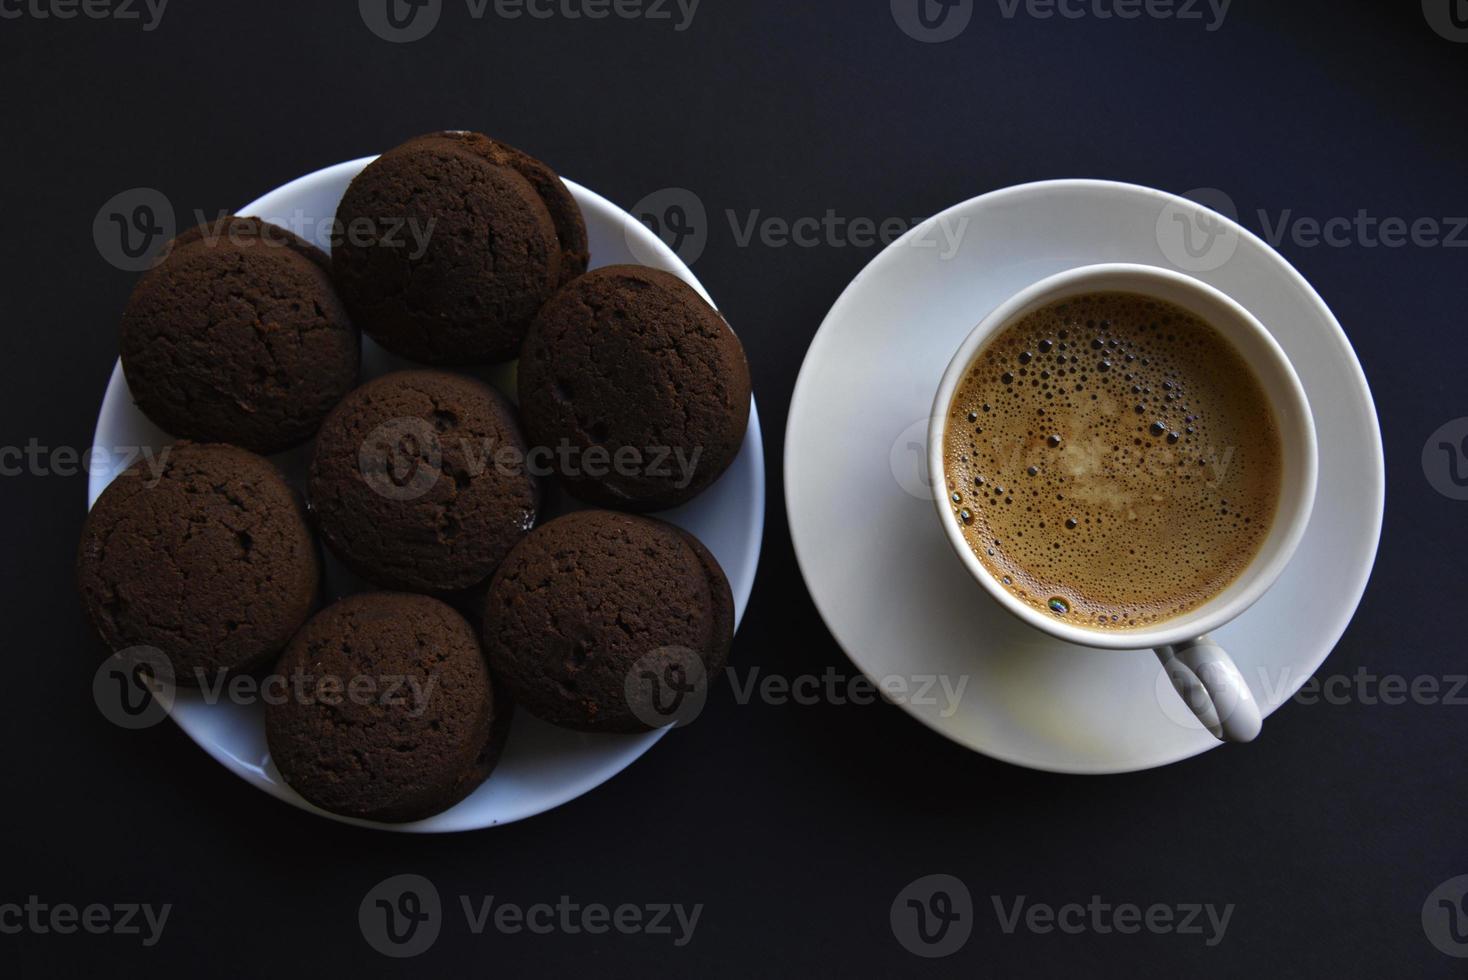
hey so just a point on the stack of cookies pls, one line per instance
(427, 483)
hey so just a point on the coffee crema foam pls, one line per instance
(1112, 460)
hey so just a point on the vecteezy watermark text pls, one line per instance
(403, 459)
(833, 230)
(1102, 918)
(405, 21)
(936, 21)
(408, 691)
(941, 691)
(1363, 230)
(147, 13)
(64, 918)
(36, 459)
(1363, 687)
(411, 233)
(673, 920)
(1211, 13)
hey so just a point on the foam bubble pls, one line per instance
(1116, 457)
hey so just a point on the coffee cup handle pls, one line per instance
(1211, 685)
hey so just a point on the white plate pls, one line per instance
(543, 766)
(873, 554)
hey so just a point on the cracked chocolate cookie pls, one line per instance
(387, 711)
(419, 481)
(448, 245)
(564, 211)
(238, 336)
(202, 552)
(637, 385)
(602, 621)
(723, 599)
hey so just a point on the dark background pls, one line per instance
(795, 826)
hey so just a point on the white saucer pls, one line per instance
(893, 593)
(543, 766)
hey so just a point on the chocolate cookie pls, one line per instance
(444, 250)
(722, 595)
(591, 602)
(238, 336)
(209, 560)
(564, 211)
(386, 709)
(637, 385)
(419, 481)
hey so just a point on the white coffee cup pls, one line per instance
(1202, 672)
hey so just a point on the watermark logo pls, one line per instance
(132, 229)
(933, 21)
(668, 686)
(400, 21)
(401, 459)
(1445, 459)
(677, 216)
(1448, 17)
(401, 917)
(1445, 917)
(1185, 697)
(908, 460)
(135, 688)
(933, 917)
(1201, 236)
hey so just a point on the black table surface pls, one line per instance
(794, 827)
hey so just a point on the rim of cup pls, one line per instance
(1270, 365)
